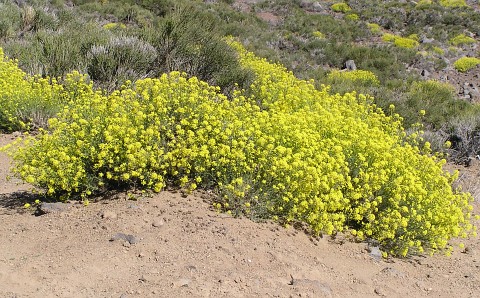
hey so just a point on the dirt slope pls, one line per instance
(170, 246)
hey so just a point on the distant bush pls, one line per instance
(352, 17)
(438, 99)
(357, 77)
(121, 59)
(318, 34)
(464, 64)
(423, 4)
(453, 3)
(438, 50)
(374, 28)
(10, 20)
(401, 42)
(340, 7)
(461, 39)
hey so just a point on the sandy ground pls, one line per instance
(171, 246)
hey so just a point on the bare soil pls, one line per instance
(171, 246)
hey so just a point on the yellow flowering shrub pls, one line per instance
(112, 26)
(452, 3)
(25, 101)
(352, 17)
(464, 64)
(281, 149)
(357, 77)
(409, 42)
(318, 34)
(340, 7)
(461, 39)
(374, 28)
(423, 4)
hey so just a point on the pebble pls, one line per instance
(128, 238)
(158, 223)
(380, 292)
(46, 208)
(107, 214)
(182, 282)
(375, 252)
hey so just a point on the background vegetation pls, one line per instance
(94, 67)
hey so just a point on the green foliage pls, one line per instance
(461, 39)
(121, 59)
(10, 20)
(340, 7)
(286, 151)
(464, 64)
(437, 99)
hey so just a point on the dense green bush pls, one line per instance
(437, 99)
(121, 59)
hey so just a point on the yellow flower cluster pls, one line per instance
(357, 77)
(453, 3)
(340, 7)
(374, 28)
(464, 64)
(112, 26)
(423, 4)
(409, 42)
(318, 34)
(281, 149)
(462, 39)
(25, 101)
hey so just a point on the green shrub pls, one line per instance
(438, 99)
(10, 20)
(340, 7)
(464, 64)
(461, 39)
(287, 151)
(121, 59)
(187, 41)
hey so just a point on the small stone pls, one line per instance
(380, 292)
(375, 252)
(182, 282)
(107, 214)
(158, 223)
(350, 65)
(128, 238)
(46, 208)
(126, 244)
